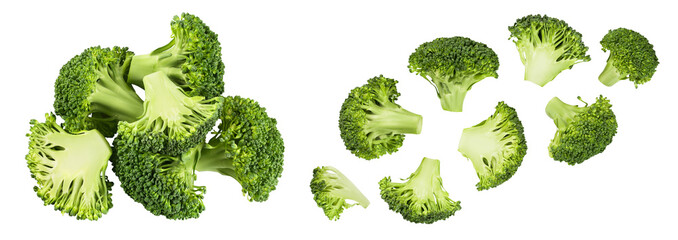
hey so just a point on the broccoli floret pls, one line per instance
(163, 184)
(70, 169)
(582, 132)
(495, 146)
(631, 57)
(370, 121)
(91, 91)
(192, 59)
(247, 147)
(547, 46)
(453, 65)
(332, 192)
(422, 198)
(171, 122)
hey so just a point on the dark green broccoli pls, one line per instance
(171, 122)
(70, 169)
(453, 65)
(422, 198)
(370, 121)
(91, 91)
(192, 59)
(495, 146)
(332, 191)
(547, 46)
(631, 57)
(582, 132)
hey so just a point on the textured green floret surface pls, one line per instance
(162, 184)
(91, 91)
(331, 191)
(453, 65)
(422, 198)
(251, 147)
(495, 146)
(192, 59)
(70, 169)
(172, 122)
(371, 123)
(631, 56)
(584, 132)
(547, 46)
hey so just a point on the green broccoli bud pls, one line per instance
(631, 57)
(334, 192)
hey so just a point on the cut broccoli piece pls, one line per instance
(192, 59)
(631, 57)
(495, 146)
(334, 192)
(453, 65)
(247, 147)
(171, 122)
(91, 91)
(70, 169)
(582, 132)
(422, 198)
(547, 46)
(370, 121)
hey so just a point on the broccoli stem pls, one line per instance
(610, 74)
(349, 191)
(479, 143)
(453, 99)
(141, 66)
(169, 63)
(425, 177)
(391, 118)
(116, 99)
(541, 66)
(561, 113)
(216, 158)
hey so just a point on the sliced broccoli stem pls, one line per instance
(610, 74)
(561, 113)
(425, 178)
(349, 190)
(216, 158)
(542, 66)
(390, 118)
(479, 143)
(116, 99)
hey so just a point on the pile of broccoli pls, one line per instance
(160, 142)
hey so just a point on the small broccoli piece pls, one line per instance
(453, 65)
(70, 169)
(495, 146)
(247, 147)
(547, 46)
(631, 57)
(171, 122)
(582, 132)
(370, 121)
(422, 198)
(331, 190)
(192, 59)
(91, 91)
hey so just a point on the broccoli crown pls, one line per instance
(247, 147)
(331, 191)
(495, 146)
(631, 57)
(163, 184)
(192, 59)
(171, 122)
(91, 91)
(422, 198)
(547, 46)
(582, 132)
(453, 65)
(70, 169)
(370, 121)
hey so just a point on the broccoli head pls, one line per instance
(171, 122)
(192, 59)
(582, 132)
(495, 146)
(91, 91)
(332, 191)
(453, 65)
(631, 57)
(370, 121)
(547, 46)
(422, 198)
(70, 169)
(247, 147)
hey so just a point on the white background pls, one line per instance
(300, 59)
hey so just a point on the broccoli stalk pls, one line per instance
(331, 189)
(389, 118)
(611, 74)
(563, 113)
(542, 63)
